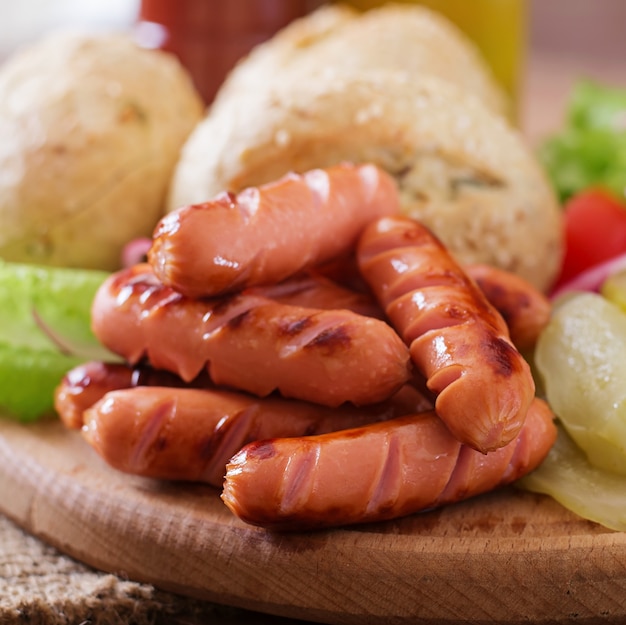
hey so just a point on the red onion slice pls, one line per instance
(135, 251)
(592, 279)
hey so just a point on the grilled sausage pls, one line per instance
(317, 291)
(525, 309)
(250, 343)
(85, 384)
(190, 434)
(374, 473)
(457, 340)
(265, 234)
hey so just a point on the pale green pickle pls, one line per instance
(568, 477)
(581, 357)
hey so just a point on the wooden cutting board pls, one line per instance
(508, 557)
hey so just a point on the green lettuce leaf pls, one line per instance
(29, 378)
(590, 150)
(45, 330)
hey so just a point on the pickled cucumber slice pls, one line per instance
(581, 358)
(567, 476)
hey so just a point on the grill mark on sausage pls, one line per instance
(384, 491)
(501, 356)
(331, 338)
(507, 305)
(143, 287)
(295, 327)
(229, 312)
(261, 450)
(152, 436)
(231, 432)
(237, 320)
(298, 477)
(160, 444)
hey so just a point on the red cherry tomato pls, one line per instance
(595, 231)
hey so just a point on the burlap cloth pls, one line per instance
(40, 586)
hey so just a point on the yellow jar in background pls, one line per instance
(498, 27)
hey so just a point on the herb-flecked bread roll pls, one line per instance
(340, 40)
(91, 129)
(461, 169)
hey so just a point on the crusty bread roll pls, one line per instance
(340, 40)
(461, 168)
(91, 129)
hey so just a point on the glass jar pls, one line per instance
(210, 36)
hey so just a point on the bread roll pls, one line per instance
(461, 169)
(340, 40)
(91, 129)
